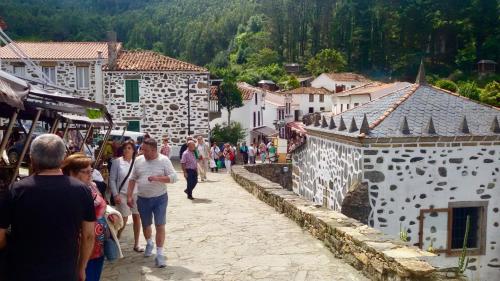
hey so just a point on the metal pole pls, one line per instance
(53, 129)
(86, 137)
(101, 151)
(7, 134)
(26, 145)
(189, 110)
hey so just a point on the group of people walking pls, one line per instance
(57, 225)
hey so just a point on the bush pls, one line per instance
(491, 94)
(469, 90)
(447, 85)
(231, 134)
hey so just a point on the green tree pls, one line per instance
(469, 90)
(230, 97)
(447, 85)
(289, 82)
(232, 133)
(327, 60)
(264, 57)
(491, 94)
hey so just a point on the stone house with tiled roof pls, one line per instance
(146, 89)
(73, 65)
(418, 160)
(158, 94)
(311, 99)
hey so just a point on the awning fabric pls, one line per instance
(12, 90)
(266, 131)
(299, 127)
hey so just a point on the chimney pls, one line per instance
(112, 50)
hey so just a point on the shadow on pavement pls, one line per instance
(178, 273)
(201, 201)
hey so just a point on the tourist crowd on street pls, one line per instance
(58, 224)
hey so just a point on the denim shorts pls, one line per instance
(154, 206)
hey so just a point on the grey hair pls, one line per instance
(47, 151)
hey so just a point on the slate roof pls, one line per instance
(407, 113)
(152, 61)
(58, 50)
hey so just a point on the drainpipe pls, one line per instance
(99, 97)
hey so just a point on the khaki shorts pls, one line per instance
(124, 209)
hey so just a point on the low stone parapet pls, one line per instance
(378, 256)
(278, 173)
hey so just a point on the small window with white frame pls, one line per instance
(50, 72)
(19, 70)
(82, 77)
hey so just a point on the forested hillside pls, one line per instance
(384, 38)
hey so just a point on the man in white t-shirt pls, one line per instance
(151, 172)
(203, 157)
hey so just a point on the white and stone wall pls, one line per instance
(324, 170)
(404, 180)
(162, 108)
(65, 75)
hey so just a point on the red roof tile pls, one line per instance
(347, 76)
(247, 90)
(152, 61)
(307, 90)
(58, 50)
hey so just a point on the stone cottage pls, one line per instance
(339, 81)
(73, 65)
(417, 161)
(158, 94)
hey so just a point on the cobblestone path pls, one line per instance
(228, 234)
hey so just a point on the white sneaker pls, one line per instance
(149, 250)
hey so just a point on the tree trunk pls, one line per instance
(228, 117)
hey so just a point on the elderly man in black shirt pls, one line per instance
(51, 217)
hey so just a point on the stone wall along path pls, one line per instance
(228, 234)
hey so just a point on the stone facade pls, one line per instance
(162, 108)
(278, 173)
(323, 171)
(65, 75)
(404, 178)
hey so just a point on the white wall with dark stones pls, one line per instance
(404, 180)
(326, 169)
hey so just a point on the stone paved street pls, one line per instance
(227, 234)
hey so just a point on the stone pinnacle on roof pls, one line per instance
(365, 127)
(421, 80)
(332, 124)
(353, 127)
(464, 127)
(324, 124)
(495, 127)
(430, 129)
(316, 121)
(342, 126)
(405, 129)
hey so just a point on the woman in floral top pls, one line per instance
(79, 166)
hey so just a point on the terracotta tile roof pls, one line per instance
(307, 90)
(247, 90)
(374, 89)
(347, 76)
(58, 50)
(152, 61)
